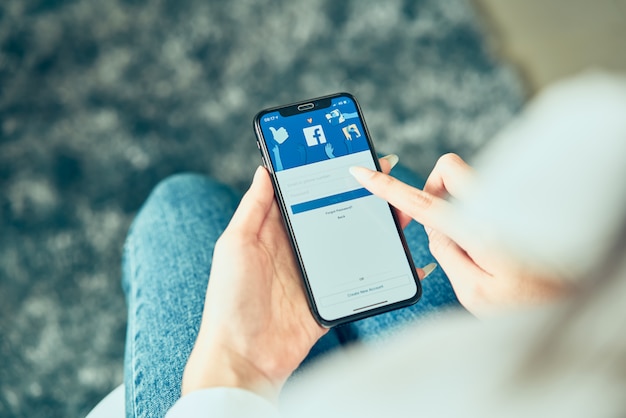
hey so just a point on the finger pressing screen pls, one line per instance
(425, 208)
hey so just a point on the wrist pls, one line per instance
(220, 367)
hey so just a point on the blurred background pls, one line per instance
(99, 100)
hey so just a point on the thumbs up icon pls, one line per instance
(280, 135)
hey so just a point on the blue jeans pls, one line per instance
(167, 259)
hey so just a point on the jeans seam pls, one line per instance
(131, 325)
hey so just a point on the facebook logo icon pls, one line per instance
(314, 135)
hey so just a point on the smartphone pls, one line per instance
(348, 243)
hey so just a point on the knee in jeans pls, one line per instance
(179, 192)
(169, 189)
(166, 197)
(167, 194)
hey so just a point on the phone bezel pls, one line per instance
(290, 110)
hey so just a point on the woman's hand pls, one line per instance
(484, 279)
(256, 325)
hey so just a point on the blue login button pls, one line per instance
(329, 200)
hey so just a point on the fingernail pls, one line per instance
(392, 159)
(429, 268)
(258, 171)
(358, 172)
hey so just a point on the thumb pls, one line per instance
(255, 204)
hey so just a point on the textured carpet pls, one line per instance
(99, 100)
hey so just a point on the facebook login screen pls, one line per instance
(352, 255)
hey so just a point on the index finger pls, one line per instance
(425, 208)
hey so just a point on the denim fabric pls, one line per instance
(167, 259)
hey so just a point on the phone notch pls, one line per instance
(306, 106)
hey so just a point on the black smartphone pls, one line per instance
(349, 243)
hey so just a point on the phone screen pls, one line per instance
(349, 245)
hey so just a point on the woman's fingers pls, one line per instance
(450, 176)
(388, 162)
(403, 218)
(446, 237)
(425, 208)
(466, 277)
(425, 271)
